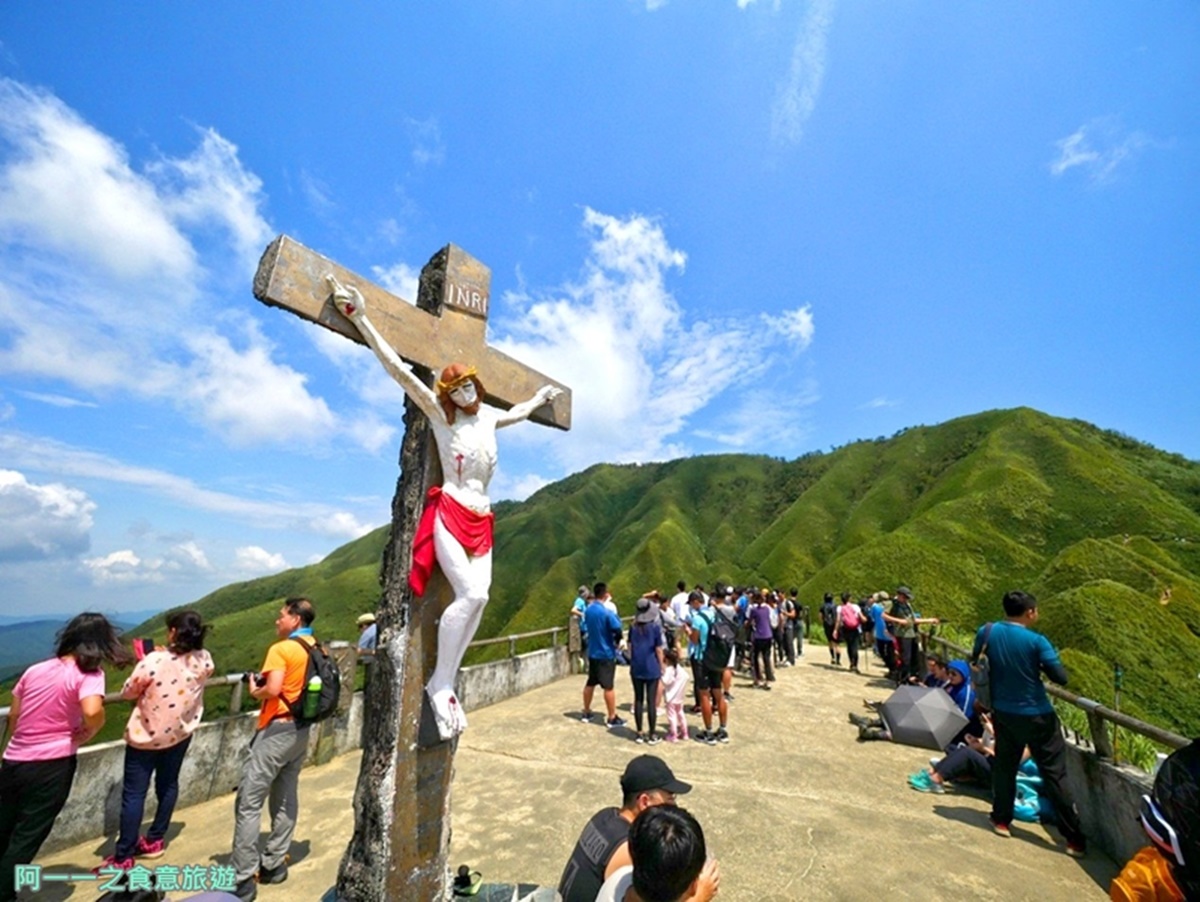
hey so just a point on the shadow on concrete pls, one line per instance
(1095, 865)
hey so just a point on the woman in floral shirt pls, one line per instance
(168, 686)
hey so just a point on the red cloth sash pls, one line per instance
(473, 531)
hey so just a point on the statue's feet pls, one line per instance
(448, 713)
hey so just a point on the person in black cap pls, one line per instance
(603, 846)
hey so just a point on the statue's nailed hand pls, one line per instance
(547, 393)
(348, 299)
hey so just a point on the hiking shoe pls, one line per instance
(722, 736)
(710, 738)
(150, 848)
(653, 740)
(111, 862)
(728, 696)
(858, 720)
(277, 874)
(615, 722)
(701, 736)
(247, 890)
(921, 781)
(586, 717)
(1076, 850)
(639, 738)
(1001, 830)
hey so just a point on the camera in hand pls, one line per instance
(258, 678)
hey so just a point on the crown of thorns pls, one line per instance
(447, 387)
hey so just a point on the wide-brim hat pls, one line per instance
(905, 591)
(645, 611)
(364, 619)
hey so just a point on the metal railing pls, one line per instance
(1098, 716)
(238, 694)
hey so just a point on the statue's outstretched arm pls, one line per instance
(351, 304)
(518, 412)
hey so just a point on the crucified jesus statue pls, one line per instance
(456, 526)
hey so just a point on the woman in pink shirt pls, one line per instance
(57, 706)
(168, 685)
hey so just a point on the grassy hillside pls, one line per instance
(1103, 528)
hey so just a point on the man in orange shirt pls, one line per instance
(276, 754)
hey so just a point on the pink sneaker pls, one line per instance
(150, 848)
(670, 737)
(112, 862)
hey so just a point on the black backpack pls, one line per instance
(868, 619)
(722, 634)
(829, 614)
(321, 664)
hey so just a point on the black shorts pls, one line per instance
(707, 679)
(829, 633)
(601, 673)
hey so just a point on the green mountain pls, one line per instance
(1105, 530)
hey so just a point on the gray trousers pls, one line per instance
(272, 774)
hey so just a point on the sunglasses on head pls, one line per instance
(1159, 830)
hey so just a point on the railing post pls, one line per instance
(235, 698)
(512, 646)
(1098, 728)
(554, 637)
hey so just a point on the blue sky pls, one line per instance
(768, 227)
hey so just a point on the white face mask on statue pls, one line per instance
(464, 395)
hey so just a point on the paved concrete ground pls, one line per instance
(793, 807)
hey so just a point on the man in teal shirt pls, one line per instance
(1023, 716)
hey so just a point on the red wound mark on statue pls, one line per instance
(349, 310)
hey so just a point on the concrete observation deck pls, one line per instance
(793, 807)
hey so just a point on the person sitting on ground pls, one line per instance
(603, 846)
(969, 762)
(670, 861)
(937, 675)
(1168, 868)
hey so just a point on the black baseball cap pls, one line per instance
(646, 772)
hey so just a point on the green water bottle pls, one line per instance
(312, 697)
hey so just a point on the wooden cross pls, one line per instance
(293, 277)
(402, 800)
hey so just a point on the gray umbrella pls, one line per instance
(916, 715)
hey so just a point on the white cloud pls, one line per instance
(641, 374)
(180, 563)
(291, 513)
(252, 560)
(797, 94)
(428, 145)
(1097, 148)
(211, 187)
(400, 279)
(69, 189)
(878, 403)
(113, 280)
(248, 397)
(39, 522)
(56, 400)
